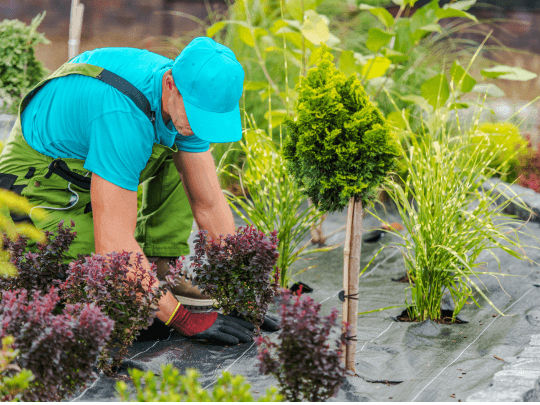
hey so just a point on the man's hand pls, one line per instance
(211, 326)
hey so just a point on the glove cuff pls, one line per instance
(172, 315)
(188, 323)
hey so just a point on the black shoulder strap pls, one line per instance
(126, 88)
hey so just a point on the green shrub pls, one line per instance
(13, 380)
(174, 387)
(340, 144)
(506, 138)
(19, 68)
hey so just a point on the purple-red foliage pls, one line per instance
(43, 269)
(528, 168)
(302, 360)
(238, 274)
(127, 300)
(60, 350)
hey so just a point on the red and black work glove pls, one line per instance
(212, 326)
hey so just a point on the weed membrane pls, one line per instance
(395, 361)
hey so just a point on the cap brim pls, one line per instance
(214, 127)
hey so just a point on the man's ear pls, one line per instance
(169, 81)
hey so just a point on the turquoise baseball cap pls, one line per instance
(211, 81)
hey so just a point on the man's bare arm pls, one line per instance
(210, 208)
(115, 218)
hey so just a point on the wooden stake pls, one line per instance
(354, 270)
(75, 28)
(346, 256)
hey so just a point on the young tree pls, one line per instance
(339, 151)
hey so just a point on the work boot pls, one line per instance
(185, 292)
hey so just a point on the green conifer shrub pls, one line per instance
(340, 145)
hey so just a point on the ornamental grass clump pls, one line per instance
(125, 298)
(450, 222)
(301, 359)
(240, 273)
(171, 386)
(60, 350)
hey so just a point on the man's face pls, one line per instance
(175, 106)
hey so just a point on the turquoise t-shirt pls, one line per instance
(83, 118)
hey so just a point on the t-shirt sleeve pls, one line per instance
(191, 144)
(120, 145)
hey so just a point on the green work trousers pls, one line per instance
(164, 221)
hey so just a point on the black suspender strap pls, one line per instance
(129, 90)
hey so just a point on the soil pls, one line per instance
(446, 318)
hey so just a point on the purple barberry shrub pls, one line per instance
(40, 270)
(104, 280)
(60, 350)
(301, 359)
(239, 273)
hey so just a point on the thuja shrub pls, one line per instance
(301, 359)
(171, 386)
(123, 297)
(339, 143)
(40, 270)
(60, 350)
(13, 379)
(239, 273)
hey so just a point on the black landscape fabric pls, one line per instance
(395, 361)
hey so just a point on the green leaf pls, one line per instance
(461, 5)
(452, 13)
(295, 9)
(404, 39)
(278, 116)
(458, 74)
(277, 25)
(488, 88)
(419, 101)
(459, 106)
(255, 86)
(377, 38)
(394, 56)
(347, 63)
(247, 37)
(397, 120)
(431, 28)
(509, 73)
(383, 15)
(315, 28)
(215, 28)
(376, 67)
(436, 90)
